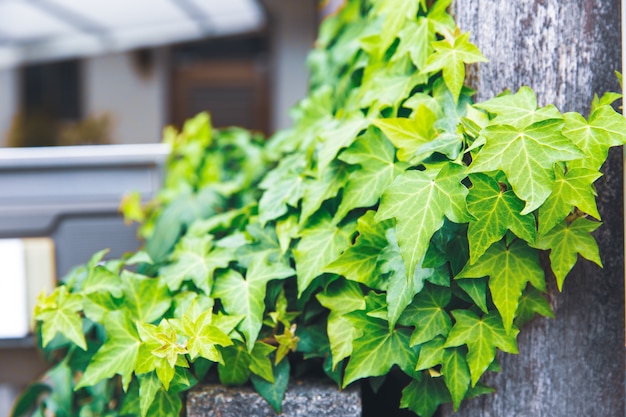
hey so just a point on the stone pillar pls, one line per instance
(302, 399)
(566, 50)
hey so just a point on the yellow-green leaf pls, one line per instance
(496, 210)
(482, 335)
(450, 58)
(565, 242)
(526, 155)
(117, 355)
(419, 201)
(59, 313)
(509, 270)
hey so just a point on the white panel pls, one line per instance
(124, 13)
(13, 314)
(21, 21)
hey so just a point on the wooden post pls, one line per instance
(566, 50)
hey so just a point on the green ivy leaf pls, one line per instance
(59, 313)
(419, 201)
(402, 288)
(518, 110)
(191, 304)
(118, 353)
(571, 188)
(182, 212)
(146, 299)
(377, 169)
(371, 352)
(160, 351)
(482, 336)
(605, 128)
(387, 85)
(61, 398)
(507, 283)
(495, 211)
(264, 243)
(319, 190)
(260, 363)
(396, 13)
(415, 40)
(286, 231)
(97, 304)
(408, 135)
(320, 244)
(431, 353)
(203, 337)
(439, 19)
(338, 135)
(246, 297)
(359, 262)
(607, 99)
(456, 374)
(130, 400)
(477, 290)
(102, 280)
(283, 187)
(423, 397)
(236, 367)
(450, 58)
(149, 385)
(526, 155)
(193, 259)
(27, 399)
(448, 144)
(399, 285)
(532, 302)
(565, 242)
(165, 404)
(274, 392)
(341, 297)
(427, 313)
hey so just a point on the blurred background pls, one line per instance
(75, 72)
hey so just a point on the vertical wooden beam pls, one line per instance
(566, 50)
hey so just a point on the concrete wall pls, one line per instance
(135, 102)
(8, 101)
(294, 29)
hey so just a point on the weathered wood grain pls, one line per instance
(566, 51)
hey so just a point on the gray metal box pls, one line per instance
(72, 195)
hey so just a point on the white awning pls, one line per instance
(40, 30)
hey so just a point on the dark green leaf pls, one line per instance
(274, 392)
(423, 397)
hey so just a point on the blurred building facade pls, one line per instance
(250, 79)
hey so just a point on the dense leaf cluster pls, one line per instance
(400, 228)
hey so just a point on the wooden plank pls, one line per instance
(565, 50)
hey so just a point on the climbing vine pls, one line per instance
(397, 225)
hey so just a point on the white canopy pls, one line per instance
(39, 30)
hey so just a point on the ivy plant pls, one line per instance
(396, 228)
